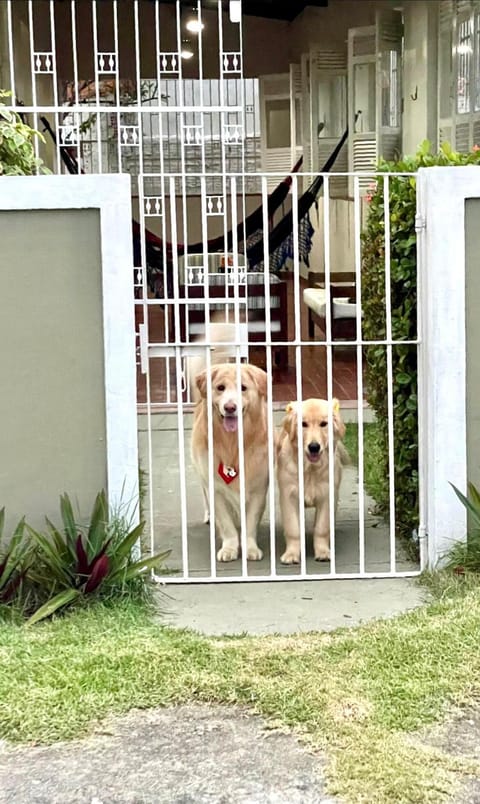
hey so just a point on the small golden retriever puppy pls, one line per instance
(227, 405)
(313, 417)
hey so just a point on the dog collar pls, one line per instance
(227, 473)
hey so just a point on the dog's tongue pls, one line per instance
(230, 424)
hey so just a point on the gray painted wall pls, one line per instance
(472, 279)
(52, 403)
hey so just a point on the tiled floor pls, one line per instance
(313, 365)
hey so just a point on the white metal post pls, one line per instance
(441, 194)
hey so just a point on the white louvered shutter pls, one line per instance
(295, 113)
(275, 128)
(328, 91)
(466, 74)
(389, 36)
(445, 72)
(362, 141)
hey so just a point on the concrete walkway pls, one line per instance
(184, 755)
(285, 607)
(171, 514)
(271, 607)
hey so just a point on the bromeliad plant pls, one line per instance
(464, 557)
(77, 563)
(403, 298)
(14, 561)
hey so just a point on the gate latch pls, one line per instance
(420, 222)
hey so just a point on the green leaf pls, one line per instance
(139, 567)
(56, 564)
(125, 547)
(97, 533)
(474, 495)
(15, 555)
(63, 599)
(60, 541)
(474, 511)
(68, 518)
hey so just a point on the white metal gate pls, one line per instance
(191, 145)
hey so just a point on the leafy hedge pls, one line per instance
(403, 294)
(17, 152)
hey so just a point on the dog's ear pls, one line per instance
(259, 377)
(201, 383)
(290, 421)
(338, 424)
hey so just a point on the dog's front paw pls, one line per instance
(254, 553)
(227, 554)
(322, 553)
(290, 556)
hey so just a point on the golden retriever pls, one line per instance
(227, 405)
(313, 416)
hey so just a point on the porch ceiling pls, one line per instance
(273, 9)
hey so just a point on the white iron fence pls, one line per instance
(270, 314)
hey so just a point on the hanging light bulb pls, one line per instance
(186, 51)
(194, 25)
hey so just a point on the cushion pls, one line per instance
(315, 298)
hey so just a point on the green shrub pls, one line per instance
(17, 153)
(403, 295)
(78, 562)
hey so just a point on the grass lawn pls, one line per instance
(372, 466)
(358, 694)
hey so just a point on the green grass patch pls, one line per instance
(356, 694)
(372, 464)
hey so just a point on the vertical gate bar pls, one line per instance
(54, 80)
(34, 80)
(146, 324)
(76, 115)
(200, 78)
(139, 86)
(117, 88)
(11, 52)
(329, 361)
(358, 280)
(167, 301)
(388, 316)
(243, 121)
(236, 310)
(183, 183)
(268, 350)
(222, 143)
(298, 367)
(208, 354)
(97, 90)
(181, 435)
